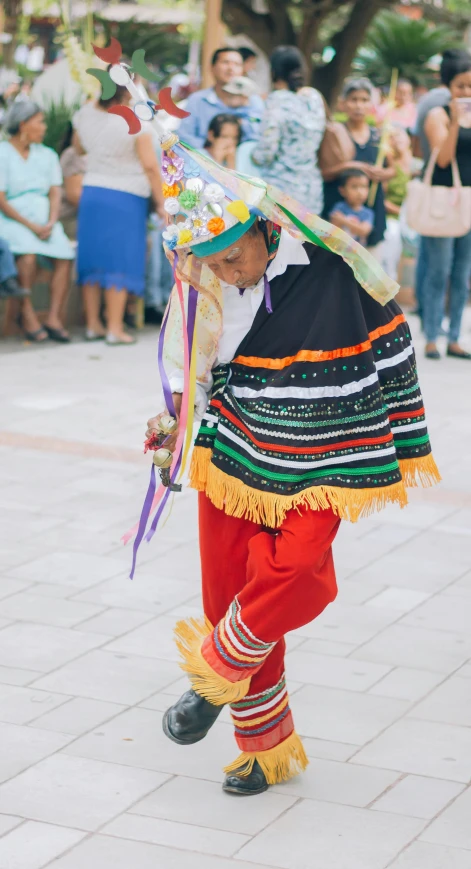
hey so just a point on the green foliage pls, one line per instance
(166, 50)
(58, 116)
(394, 41)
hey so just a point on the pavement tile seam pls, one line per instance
(98, 831)
(387, 789)
(427, 825)
(115, 636)
(402, 616)
(266, 826)
(21, 822)
(407, 713)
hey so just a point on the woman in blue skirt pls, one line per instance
(122, 172)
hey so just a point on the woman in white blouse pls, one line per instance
(122, 172)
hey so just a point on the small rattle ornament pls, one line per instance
(163, 457)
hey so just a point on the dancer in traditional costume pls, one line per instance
(281, 334)
(311, 413)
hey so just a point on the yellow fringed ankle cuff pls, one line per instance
(190, 636)
(279, 764)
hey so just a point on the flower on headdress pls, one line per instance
(170, 232)
(172, 168)
(239, 209)
(188, 199)
(213, 193)
(185, 236)
(172, 242)
(169, 190)
(216, 225)
(192, 170)
(197, 222)
(171, 205)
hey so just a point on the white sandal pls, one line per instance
(114, 341)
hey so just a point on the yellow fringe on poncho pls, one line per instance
(266, 508)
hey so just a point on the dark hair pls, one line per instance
(350, 173)
(246, 52)
(219, 51)
(454, 62)
(287, 64)
(357, 84)
(116, 100)
(217, 124)
(67, 138)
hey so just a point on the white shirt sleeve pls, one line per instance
(201, 396)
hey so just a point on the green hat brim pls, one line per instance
(224, 240)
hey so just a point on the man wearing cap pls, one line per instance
(310, 412)
(226, 65)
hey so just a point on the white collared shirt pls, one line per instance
(239, 313)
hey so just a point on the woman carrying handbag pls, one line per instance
(448, 249)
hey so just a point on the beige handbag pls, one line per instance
(437, 211)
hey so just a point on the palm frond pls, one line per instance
(395, 41)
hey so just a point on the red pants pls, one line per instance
(258, 584)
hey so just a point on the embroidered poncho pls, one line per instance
(321, 405)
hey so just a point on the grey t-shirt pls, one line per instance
(436, 97)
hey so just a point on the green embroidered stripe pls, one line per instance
(257, 647)
(318, 424)
(398, 393)
(310, 475)
(413, 442)
(244, 704)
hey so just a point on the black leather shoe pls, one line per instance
(246, 785)
(189, 719)
(458, 354)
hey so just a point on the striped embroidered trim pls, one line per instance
(231, 651)
(269, 716)
(291, 450)
(299, 465)
(320, 355)
(261, 698)
(307, 392)
(263, 720)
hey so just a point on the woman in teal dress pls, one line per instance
(30, 195)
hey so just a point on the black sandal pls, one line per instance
(39, 336)
(59, 335)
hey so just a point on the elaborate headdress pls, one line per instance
(209, 207)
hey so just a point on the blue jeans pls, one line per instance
(7, 262)
(159, 278)
(448, 259)
(420, 273)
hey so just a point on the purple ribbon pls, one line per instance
(167, 390)
(143, 519)
(267, 294)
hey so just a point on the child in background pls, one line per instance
(223, 138)
(357, 95)
(351, 214)
(400, 157)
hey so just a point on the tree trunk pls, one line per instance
(12, 11)
(267, 31)
(329, 78)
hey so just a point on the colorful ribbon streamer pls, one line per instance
(159, 499)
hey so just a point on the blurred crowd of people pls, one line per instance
(100, 203)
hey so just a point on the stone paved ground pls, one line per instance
(381, 684)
